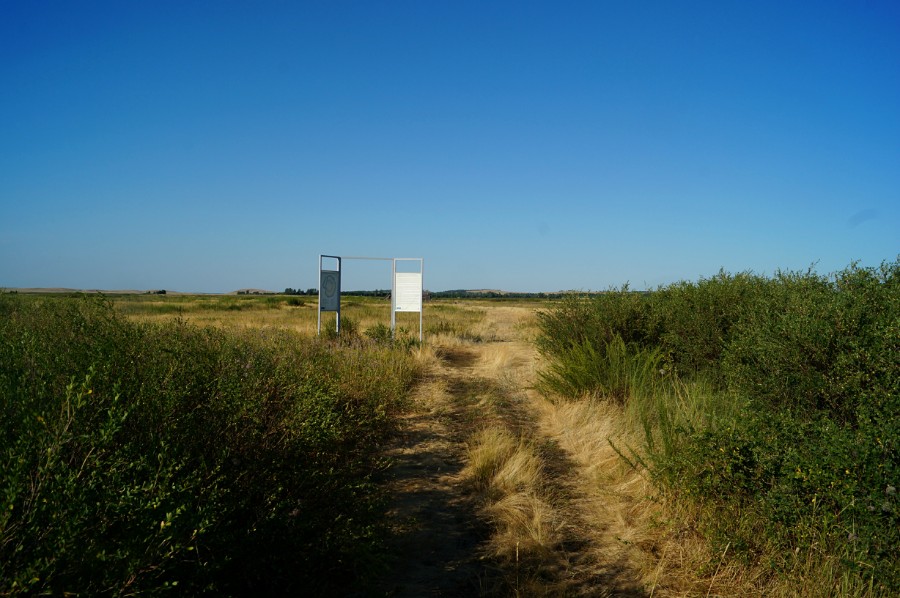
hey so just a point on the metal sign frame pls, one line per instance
(330, 282)
(410, 295)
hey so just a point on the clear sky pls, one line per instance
(525, 146)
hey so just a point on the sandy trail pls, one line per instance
(436, 531)
(440, 540)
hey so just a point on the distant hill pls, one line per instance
(68, 291)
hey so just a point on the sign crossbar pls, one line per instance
(355, 257)
(406, 289)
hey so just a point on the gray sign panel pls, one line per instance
(330, 290)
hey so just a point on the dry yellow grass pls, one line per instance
(507, 472)
(630, 523)
(616, 504)
(627, 536)
(525, 526)
(584, 428)
(500, 464)
(444, 322)
(205, 313)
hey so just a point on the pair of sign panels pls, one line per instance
(406, 288)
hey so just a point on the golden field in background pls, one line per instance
(443, 319)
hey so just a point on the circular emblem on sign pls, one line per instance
(329, 285)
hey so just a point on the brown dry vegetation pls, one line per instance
(565, 513)
(561, 513)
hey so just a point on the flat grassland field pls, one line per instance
(441, 317)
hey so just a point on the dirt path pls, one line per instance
(437, 533)
(441, 534)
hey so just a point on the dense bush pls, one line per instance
(695, 321)
(597, 319)
(815, 344)
(690, 323)
(139, 458)
(612, 369)
(802, 461)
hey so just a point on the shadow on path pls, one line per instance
(436, 534)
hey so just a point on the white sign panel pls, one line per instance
(408, 286)
(330, 290)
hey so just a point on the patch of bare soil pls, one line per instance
(435, 546)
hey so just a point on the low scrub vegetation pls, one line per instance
(770, 404)
(139, 457)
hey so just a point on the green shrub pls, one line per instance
(781, 418)
(689, 323)
(694, 321)
(136, 458)
(380, 333)
(776, 486)
(597, 319)
(811, 343)
(349, 327)
(614, 370)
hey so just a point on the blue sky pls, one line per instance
(527, 146)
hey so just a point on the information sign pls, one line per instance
(409, 291)
(330, 290)
(406, 288)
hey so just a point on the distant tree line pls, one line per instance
(463, 294)
(290, 291)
